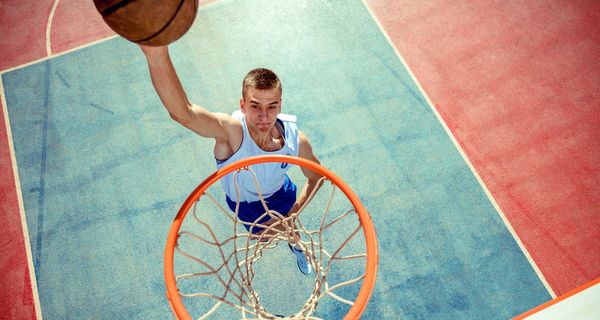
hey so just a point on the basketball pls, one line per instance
(148, 22)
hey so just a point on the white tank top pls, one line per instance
(270, 176)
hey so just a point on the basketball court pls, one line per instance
(474, 149)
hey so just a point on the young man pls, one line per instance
(257, 128)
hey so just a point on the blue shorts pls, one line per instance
(281, 201)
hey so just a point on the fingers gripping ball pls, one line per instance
(149, 22)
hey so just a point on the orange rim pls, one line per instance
(366, 289)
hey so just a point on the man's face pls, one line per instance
(261, 108)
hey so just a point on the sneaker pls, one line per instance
(305, 267)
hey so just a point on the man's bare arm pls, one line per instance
(305, 151)
(171, 93)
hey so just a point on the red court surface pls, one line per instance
(27, 35)
(16, 299)
(517, 83)
(74, 23)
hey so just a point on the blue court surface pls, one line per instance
(103, 169)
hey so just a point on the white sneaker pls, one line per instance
(305, 267)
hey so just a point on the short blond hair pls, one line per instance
(261, 79)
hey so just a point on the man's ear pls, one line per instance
(242, 105)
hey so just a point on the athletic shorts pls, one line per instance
(281, 201)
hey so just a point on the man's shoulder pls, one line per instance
(238, 115)
(232, 126)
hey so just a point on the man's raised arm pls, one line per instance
(171, 93)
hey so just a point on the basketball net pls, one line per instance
(233, 269)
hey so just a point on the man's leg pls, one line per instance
(281, 201)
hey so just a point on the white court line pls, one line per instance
(464, 155)
(48, 49)
(32, 278)
(578, 304)
(57, 55)
(49, 28)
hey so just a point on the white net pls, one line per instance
(217, 265)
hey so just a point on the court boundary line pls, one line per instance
(30, 63)
(49, 28)
(24, 226)
(561, 298)
(464, 156)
